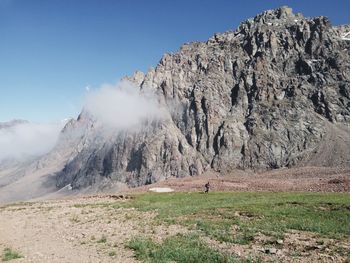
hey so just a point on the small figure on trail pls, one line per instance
(207, 187)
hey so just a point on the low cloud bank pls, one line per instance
(22, 140)
(122, 106)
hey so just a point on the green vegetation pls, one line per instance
(238, 217)
(103, 239)
(75, 219)
(179, 248)
(112, 253)
(9, 254)
(233, 217)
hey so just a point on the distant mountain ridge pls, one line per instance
(9, 124)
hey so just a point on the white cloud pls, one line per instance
(123, 106)
(28, 139)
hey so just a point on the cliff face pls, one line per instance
(264, 96)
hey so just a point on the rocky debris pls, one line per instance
(336, 181)
(264, 96)
(114, 197)
(271, 250)
(279, 241)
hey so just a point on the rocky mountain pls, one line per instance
(273, 93)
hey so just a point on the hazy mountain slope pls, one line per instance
(264, 96)
(29, 176)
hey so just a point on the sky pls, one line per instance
(53, 51)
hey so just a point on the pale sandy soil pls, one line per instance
(71, 231)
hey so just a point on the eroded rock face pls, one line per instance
(257, 97)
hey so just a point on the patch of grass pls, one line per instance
(19, 209)
(128, 217)
(179, 248)
(9, 254)
(112, 253)
(75, 219)
(238, 217)
(49, 208)
(95, 205)
(296, 253)
(250, 259)
(103, 239)
(18, 204)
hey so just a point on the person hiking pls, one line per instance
(207, 187)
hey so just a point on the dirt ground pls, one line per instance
(302, 179)
(77, 229)
(89, 230)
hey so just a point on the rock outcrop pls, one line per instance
(261, 97)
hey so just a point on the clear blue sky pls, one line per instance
(50, 50)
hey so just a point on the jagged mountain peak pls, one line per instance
(283, 13)
(261, 97)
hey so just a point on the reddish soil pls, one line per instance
(302, 179)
